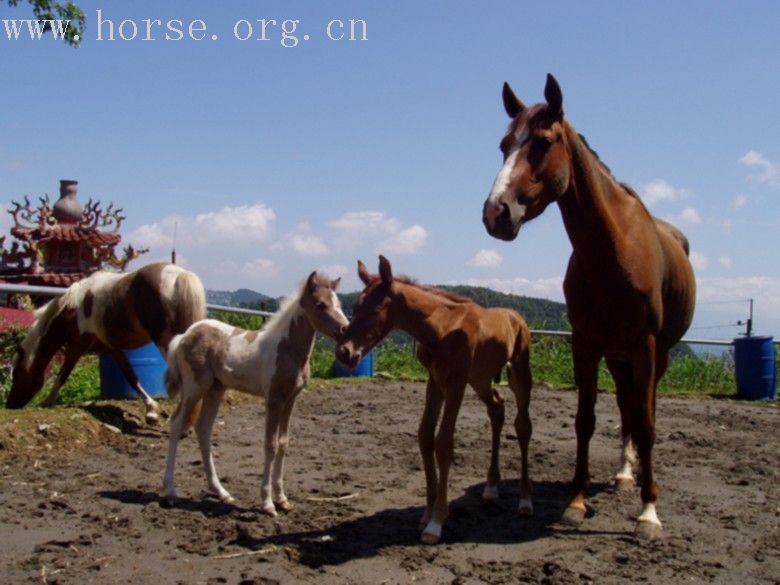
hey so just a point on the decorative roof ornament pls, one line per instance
(62, 244)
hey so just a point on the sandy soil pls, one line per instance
(89, 511)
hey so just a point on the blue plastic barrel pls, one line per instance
(755, 368)
(364, 368)
(148, 364)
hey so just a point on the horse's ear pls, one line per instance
(554, 97)
(385, 270)
(334, 284)
(311, 282)
(363, 273)
(512, 103)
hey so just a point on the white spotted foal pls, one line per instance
(273, 362)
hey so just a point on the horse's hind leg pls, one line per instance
(279, 498)
(177, 424)
(203, 428)
(495, 409)
(520, 381)
(151, 406)
(621, 373)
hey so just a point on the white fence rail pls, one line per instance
(55, 291)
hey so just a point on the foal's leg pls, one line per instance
(624, 383)
(273, 415)
(204, 426)
(151, 406)
(586, 363)
(190, 396)
(520, 381)
(495, 409)
(444, 453)
(426, 440)
(643, 429)
(279, 498)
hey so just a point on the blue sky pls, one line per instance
(275, 161)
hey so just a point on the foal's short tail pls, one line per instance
(173, 382)
(189, 299)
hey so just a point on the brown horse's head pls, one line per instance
(372, 316)
(537, 166)
(322, 306)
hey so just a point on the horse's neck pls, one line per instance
(413, 308)
(589, 207)
(49, 342)
(294, 329)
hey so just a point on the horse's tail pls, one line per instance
(173, 381)
(190, 301)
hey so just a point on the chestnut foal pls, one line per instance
(459, 343)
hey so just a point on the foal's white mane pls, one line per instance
(279, 323)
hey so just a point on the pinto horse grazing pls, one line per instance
(273, 362)
(629, 285)
(459, 343)
(107, 312)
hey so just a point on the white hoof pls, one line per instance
(152, 418)
(490, 493)
(432, 533)
(269, 510)
(525, 507)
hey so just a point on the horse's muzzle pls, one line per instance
(498, 221)
(348, 356)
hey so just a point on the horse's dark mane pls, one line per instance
(625, 186)
(450, 296)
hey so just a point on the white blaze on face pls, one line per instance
(501, 184)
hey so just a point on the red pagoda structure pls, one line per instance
(61, 244)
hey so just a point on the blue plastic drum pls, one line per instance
(148, 364)
(755, 367)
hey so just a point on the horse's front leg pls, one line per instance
(586, 363)
(73, 352)
(643, 429)
(426, 437)
(494, 404)
(521, 383)
(151, 406)
(279, 497)
(273, 417)
(444, 452)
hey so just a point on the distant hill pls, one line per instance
(242, 297)
(539, 313)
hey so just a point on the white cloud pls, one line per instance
(245, 223)
(725, 262)
(260, 267)
(698, 260)
(408, 241)
(356, 229)
(306, 243)
(661, 190)
(767, 172)
(688, 216)
(740, 201)
(486, 259)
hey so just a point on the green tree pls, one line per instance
(48, 10)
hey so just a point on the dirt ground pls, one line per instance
(83, 507)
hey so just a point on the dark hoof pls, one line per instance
(648, 531)
(573, 516)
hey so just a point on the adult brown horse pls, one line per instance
(459, 343)
(629, 285)
(107, 312)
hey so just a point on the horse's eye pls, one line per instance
(544, 142)
(321, 306)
